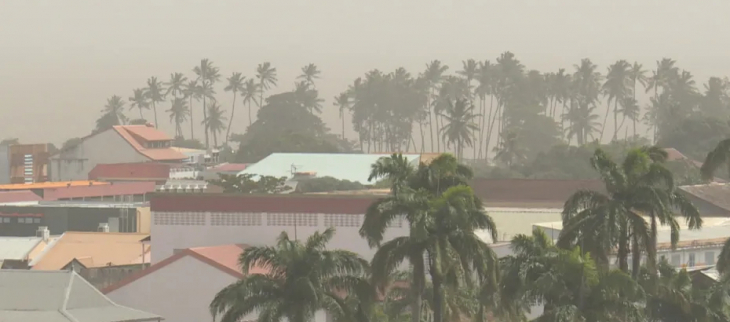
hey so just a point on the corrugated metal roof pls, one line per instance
(717, 194)
(115, 189)
(342, 166)
(97, 249)
(63, 296)
(17, 248)
(161, 154)
(144, 170)
(45, 185)
(18, 196)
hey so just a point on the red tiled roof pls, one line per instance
(114, 189)
(163, 154)
(224, 258)
(531, 191)
(281, 203)
(146, 170)
(231, 167)
(18, 195)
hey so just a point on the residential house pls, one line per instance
(167, 289)
(712, 200)
(120, 144)
(59, 296)
(100, 257)
(18, 252)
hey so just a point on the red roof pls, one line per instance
(133, 134)
(114, 189)
(224, 258)
(226, 167)
(147, 170)
(516, 192)
(18, 195)
(274, 203)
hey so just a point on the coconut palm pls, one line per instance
(640, 186)
(433, 75)
(114, 110)
(301, 278)
(178, 114)
(215, 121)
(248, 93)
(630, 109)
(582, 123)
(469, 72)
(460, 127)
(207, 76)
(191, 92)
(309, 74)
(717, 158)
(267, 78)
(343, 103)
(509, 152)
(235, 85)
(139, 101)
(616, 88)
(637, 75)
(154, 93)
(176, 85)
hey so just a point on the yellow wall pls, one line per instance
(144, 217)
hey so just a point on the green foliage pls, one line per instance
(246, 183)
(188, 143)
(695, 136)
(326, 184)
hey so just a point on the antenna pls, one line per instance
(294, 168)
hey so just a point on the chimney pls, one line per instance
(103, 228)
(43, 232)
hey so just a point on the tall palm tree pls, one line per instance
(630, 109)
(178, 114)
(343, 103)
(717, 158)
(215, 121)
(139, 101)
(300, 279)
(114, 109)
(640, 186)
(235, 85)
(433, 75)
(309, 74)
(583, 123)
(267, 78)
(191, 92)
(637, 75)
(176, 85)
(248, 93)
(486, 80)
(469, 72)
(460, 127)
(154, 92)
(208, 75)
(509, 152)
(617, 87)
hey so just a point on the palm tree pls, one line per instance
(215, 121)
(176, 85)
(443, 215)
(583, 123)
(154, 94)
(433, 76)
(114, 110)
(586, 86)
(617, 87)
(631, 110)
(640, 186)
(718, 157)
(191, 92)
(301, 279)
(637, 74)
(509, 152)
(309, 74)
(139, 101)
(208, 75)
(267, 78)
(343, 103)
(235, 85)
(248, 93)
(460, 127)
(469, 72)
(179, 114)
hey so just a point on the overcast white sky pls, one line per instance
(60, 60)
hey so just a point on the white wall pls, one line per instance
(105, 147)
(172, 231)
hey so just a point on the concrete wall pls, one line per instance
(514, 221)
(102, 277)
(144, 220)
(105, 147)
(4, 164)
(173, 230)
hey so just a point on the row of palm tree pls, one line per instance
(182, 92)
(454, 275)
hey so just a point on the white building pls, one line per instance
(120, 144)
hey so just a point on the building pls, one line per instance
(166, 288)
(144, 171)
(120, 144)
(27, 163)
(696, 248)
(26, 219)
(19, 196)
(195, 220)
(214, 172)
(112, 192)
(18, 252)
(59, 296)
(712, 200)
(38, 187)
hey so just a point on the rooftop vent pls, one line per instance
(103, 228)
(43, 232)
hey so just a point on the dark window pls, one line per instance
(691, 260)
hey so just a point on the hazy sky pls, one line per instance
(61, 60)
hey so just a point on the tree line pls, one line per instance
(454, 275)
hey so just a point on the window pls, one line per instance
(691, 262)
(676, 260)
(709, 258)
(36, 220)
(6, 220)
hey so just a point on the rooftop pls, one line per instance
(270, 203)
(223, 257)
(58, 296)
(114, 189)
(18, 196)
(77, 204)
(130, 171)
(541, 193)
(17, 248)
(45, 185)
(229, 167)
(93, 249)
(342, 166)
(136, 135)
(717, 194)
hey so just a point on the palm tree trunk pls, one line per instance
(615, 120)
(605, 118)
(623, 247)
(437, 280)
(430, 124)
(154, 108)
(419, 280)
(233, 109)
(205, 127)
(634, 127)
(140, 114)
(423, 138)
(192, 135)
(635, 256)
(343, 125)
(490, 129)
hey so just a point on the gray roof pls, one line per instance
(343, 166)
(58, 296)
(17, 248)
(717, 194)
